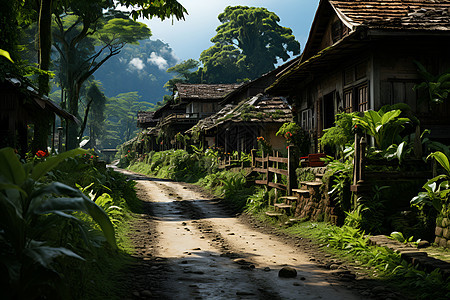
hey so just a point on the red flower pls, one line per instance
(92, 156)
(128, 151)
(41, 154)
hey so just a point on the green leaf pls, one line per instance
(45, 255)
(5, 53)
(390, 116)
(81, 203)
(10, 167)
(400, 151)
(42, 168)
(442, 159)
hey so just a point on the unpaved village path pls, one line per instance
(190, 247)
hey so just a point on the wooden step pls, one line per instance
(311, 183)
(273, 213)
(282, 205)
(301, 191)
(288, 197)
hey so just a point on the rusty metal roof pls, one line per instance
(204, 91)
(394, 14)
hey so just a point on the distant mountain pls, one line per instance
(138, 68)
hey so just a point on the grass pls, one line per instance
(377, 263)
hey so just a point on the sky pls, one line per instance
(190, 37)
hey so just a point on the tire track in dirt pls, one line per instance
(190, 247)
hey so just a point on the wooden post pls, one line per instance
(356, 162)
(292, 165)
(253, 152)
(362, 160)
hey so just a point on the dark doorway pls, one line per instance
(328, 110)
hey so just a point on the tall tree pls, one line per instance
(120, 114)
(247, 44)
(97, 117)
(88, 10)
(85, 40)
(184, 72)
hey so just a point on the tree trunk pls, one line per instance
(73, 128)
(42, 126)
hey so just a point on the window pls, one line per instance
(363, 97)
(356, 98)
(307, 120)
(348, 100)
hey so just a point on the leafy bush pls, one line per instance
(229, 185)
(437, 189)
(384, 125)
(337, 137)
(386, 263)
(295, 135)
(178, 164)
(29, 209)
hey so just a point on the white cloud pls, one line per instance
(159, 61)
(136, 64)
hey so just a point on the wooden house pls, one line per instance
(146, 119)
(247, 114)
(20, 108)
(191, 103)
(236, 127)
(360, 55)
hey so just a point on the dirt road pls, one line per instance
(191, 247)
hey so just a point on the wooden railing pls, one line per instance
(275, 164)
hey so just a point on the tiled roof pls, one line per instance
(395, 14)
(259, 109)
(209, 122)
(204, 91)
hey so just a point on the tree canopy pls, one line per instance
(247, 44)
(184, 73)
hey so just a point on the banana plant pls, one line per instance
(25, 255)
(437, 189)
(384, 126)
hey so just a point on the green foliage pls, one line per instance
(29, 209)
(184, 73)
(294, 135)
(437, 87)
(178, 164)
(305, 174)
(258, 201)
(263, 146)
(5, 53)
(341, 174)
(247, 45)
(340, 135)
(229, 185)
(398, 236)
(437, 189)
(120, 114)
(384, 126)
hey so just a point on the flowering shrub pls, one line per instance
(294, 135)
(263, 146)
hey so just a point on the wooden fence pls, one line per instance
(275, 164)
